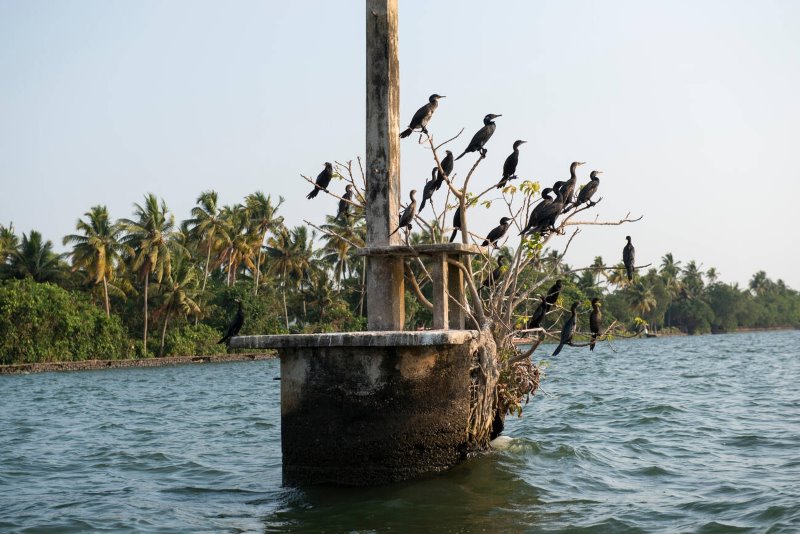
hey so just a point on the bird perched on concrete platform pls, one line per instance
(481, 136)
(628, 257)
(510, 165)
(422, 116)
(497, 232)
(235, 325)
(323, 179)
(568, 330)
(408, 214)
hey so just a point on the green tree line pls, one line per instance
(149, 285)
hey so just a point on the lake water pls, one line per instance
(688, 434)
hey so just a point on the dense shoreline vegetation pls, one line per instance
(147, 286)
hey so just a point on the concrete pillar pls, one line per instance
(385, 290)
(439, 270)
(455, 290)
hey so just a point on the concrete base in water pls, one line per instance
(370, 408)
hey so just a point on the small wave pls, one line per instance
(722, 528)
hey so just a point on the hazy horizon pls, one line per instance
(690, 109)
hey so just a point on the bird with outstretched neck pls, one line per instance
(235, 326)
(568, 189)
(344, 205)
(456, 223)
(422, 116)
(568, 330)
(323, 179)
(408, 214)
(588, 190)
(481, 136)
(628, 257)
(510, 165)
(497, 232)
(595, 320)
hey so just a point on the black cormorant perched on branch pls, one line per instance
(568, 331)
(497, 232)
(595, 319)
(510, 165)
(408, 214)
(481, 136)
(535, 218)
(494, 275)
(235, 325)
(456, 223)
(323, 179)
(422, 116)
(585, 195)
(554, 292)
(538, 316)
(427, 191)
(628, 257)
(344, 206)
(447, 167)
(568, 189)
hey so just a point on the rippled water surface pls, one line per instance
(672, 434)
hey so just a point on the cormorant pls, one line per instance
(447, 167)
(569, 186)
(595, 318)
(589, 189)
(408, 214)
(538, 316)
(510, 165)
(553, 211)
(422, 116)
(481, 136)
(344, 206)
(535, 218)
(568, 331)
(553, 293)
(235, 326)
(456, 223)
(427, 191)
(497, 232)
(495, 274)
(323, 179)
(628, 255)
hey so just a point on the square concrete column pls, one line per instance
(455, 289)
(439, 270)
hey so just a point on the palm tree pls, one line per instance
(712, 275)
(692, 279)
(241, 249)
(97, 250)
(291, 259)
(8, 242)
(669, 274)
(616, 275)
(262, 217)
(147, 240)
(337, 251)
(34, 258)
(760, 283)
(641, 298)
(179, 290)
(208, 228)
(598, 269)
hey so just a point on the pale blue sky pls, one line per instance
(690, 107)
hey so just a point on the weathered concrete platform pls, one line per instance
(369, 408)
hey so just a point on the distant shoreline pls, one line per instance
(89, 365)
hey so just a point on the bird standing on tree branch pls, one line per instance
(422, 116)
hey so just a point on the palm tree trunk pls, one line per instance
(163, 334)
(146, 279)
(205, 279)
(258, 261)
(105, 294)
(285, 310)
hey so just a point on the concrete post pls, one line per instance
(455, 289)
(439, 270)
(385, 290)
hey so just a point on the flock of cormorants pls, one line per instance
(542, 218)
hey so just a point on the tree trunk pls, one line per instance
(205, 279)
(105, 294)
(163, 334)
(285, 310)
(146, 280)
(258, 261)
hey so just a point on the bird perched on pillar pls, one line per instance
(481, 136)
(497, 232)
(408, 214)
(422, 116)
(323, 179)
(568, 330)
(628, 257)
(510, 165)
(344, 205)
(235, 325)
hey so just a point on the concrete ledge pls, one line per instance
(425, 338)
